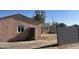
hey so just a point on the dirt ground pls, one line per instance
(69, 46)
(26, 45)
(47, 41)
(53, 37)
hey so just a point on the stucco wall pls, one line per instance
(8, 29)
(67, 35)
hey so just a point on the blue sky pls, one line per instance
(66, 16)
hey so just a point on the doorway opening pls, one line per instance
(31, 33)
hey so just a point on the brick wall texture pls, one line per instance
(8, 30)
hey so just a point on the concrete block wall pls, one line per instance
(67, 35)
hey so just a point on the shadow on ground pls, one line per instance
(47, 46)
(2, 48)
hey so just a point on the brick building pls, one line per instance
(18, 28)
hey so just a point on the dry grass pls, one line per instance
(49, 37)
